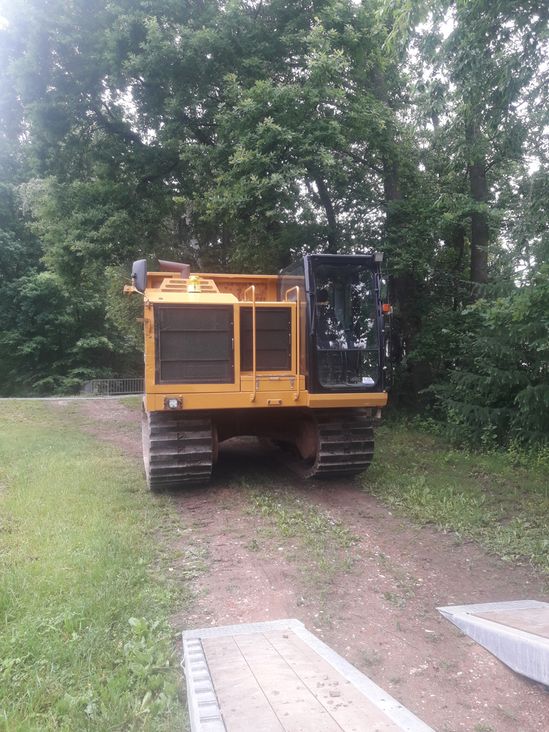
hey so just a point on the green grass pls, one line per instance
(133, 402)
(322, 546)
(84, 640)
(496, 498)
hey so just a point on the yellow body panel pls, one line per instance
(275, 381)
(190, 298)
(236, 284)
(266, 389)
(242, 400)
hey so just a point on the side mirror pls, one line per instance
(139, 274)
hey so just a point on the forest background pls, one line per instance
(237, 135)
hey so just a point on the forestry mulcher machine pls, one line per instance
(295, 359)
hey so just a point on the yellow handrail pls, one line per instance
(297, 335)
(254, 389)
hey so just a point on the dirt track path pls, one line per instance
(368, 582)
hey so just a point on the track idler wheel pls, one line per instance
(335, 442)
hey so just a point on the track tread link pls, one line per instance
(345, 444)
(178, 449)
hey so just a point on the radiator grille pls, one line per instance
(194, 344)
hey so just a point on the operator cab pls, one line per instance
(344, 327)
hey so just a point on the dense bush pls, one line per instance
(498, 390)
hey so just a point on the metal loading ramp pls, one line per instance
(278, 677)
(515, 632)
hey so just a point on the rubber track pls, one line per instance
(345, 444)
(177, 449)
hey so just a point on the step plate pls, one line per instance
(516, 632)
(277, 676)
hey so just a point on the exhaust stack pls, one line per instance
(183, 269)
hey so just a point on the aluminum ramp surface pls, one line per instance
(515, 632)
(278, 677)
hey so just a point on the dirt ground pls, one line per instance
(373, 600)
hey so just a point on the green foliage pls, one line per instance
(498, 390)
(123, 314)
(55, 337)
(85, 225)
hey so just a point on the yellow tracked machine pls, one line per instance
(295, 359)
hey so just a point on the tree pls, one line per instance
(491, 67)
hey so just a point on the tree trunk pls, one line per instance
(478, 185)
(333, 233)
(391, 187)
(397, 284)
(404, 287)
(457, 241)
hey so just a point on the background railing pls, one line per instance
(113, 387)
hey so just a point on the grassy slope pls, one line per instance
(83, 639)
(487, 497)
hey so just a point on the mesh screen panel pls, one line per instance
(272, 339)
(194, 344)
